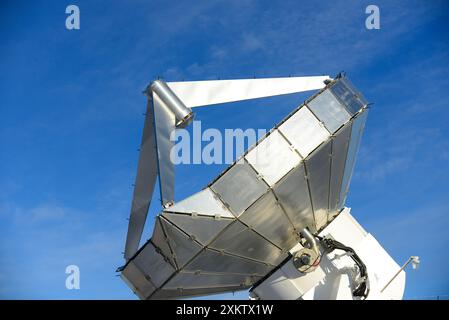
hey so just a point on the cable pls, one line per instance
(330, 245)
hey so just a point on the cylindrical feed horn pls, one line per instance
(183, 114)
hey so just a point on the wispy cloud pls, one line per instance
(306, 38)
(425, 226)
(47, 212)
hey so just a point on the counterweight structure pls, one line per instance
(274, 221)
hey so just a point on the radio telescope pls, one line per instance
(275, 221)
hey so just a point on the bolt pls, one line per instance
(305, 259)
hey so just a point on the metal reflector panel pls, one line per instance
(182, 246)
(192, 280)
(347, 97)
(212, 261)
(137, 281)
(340, 145)
(304, 131)
(358, 126)
(204, 202)
(179, 293)
(159, 240)
(153, 264)
(273, 158)
(267, 217)
(239, 187)
(329, 110)
(239, 240)
(201, 228)
(357, 93)
(293, 194)
(318, 172)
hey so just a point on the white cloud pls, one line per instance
(251, 42)
(47, 212)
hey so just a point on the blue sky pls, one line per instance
(71, 121)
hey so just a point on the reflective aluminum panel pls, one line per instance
(192, 280)
(160, 241)
(340, 145)
(239, 240)
(153, 265)
(273, 157)
(179, 293)
(267, 217)
(212, 261)
(347, 97)
(137, 281)
(358, 126)
(202, 228)
(318, 172)
(351, 87)
(293, 194)
(329, 110)
(239, 187)
(183, 247)
(204, 202)
(304, 131)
